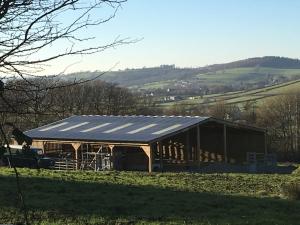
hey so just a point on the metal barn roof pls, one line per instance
(137, 129)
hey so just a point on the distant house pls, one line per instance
(151, 94)
(192, 97)
(172, 98)
(148, 142)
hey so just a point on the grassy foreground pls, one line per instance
(54, 197)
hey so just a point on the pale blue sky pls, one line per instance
(195, 33)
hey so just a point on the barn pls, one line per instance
(147, 142)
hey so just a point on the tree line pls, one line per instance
(31, 108)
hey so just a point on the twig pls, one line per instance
(19, 189)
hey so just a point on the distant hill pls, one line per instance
(267, 61)
(248, 73)
(137, 77)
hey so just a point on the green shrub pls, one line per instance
(291, 191)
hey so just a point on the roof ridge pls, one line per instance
(140, 115)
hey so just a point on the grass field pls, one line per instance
(240, 97)
(141, 198)
(248, 75)
(234, 76)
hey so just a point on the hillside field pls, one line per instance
(243, 72)
(234, 76)
(239, 97)
(54, 197)
(246, 75)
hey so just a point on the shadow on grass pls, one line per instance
(236, 168)
(50, 199)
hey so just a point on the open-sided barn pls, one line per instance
(148, 142)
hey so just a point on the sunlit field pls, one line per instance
(54, 197)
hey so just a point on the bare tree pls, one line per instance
(281, 116)
(29, 28)
(219, 110)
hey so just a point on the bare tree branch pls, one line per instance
(31, 27)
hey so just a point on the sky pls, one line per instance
(193, 33)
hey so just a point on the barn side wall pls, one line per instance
(211, 143)
(241, 141)
(238, 142)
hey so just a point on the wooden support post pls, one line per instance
(148, 150)
(76, 158)
(198, 145)
(225, 143)
(175, 153)
(112, 157)
(266, 142)
(188, 148)
(181, 154)
(160, 150)
(111, 148)
(76, 146)
(150, 159)
(171, 156)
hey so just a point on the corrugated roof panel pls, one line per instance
(118, 128)
(95, 128)
(54, 126)
(167, 129)
(140, 129)
(74, 126)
